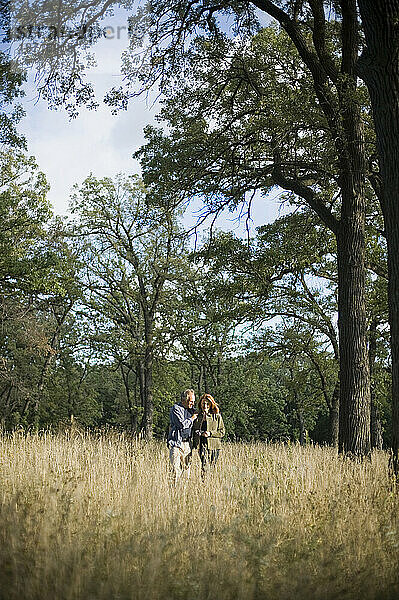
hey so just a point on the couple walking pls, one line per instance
(190, 429)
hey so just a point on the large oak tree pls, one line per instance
(264, 122)
(379, 67)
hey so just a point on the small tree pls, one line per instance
(132, 251)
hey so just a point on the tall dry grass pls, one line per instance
(90, 518)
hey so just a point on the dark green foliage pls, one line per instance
(252, 323)
(252, 398)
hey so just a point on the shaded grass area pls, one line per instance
(86, 517)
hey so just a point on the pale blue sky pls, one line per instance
(98, 142)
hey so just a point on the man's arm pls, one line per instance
(177, 418)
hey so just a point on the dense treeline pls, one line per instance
(253, 322)
(107, 315)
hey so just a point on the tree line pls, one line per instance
(275, 105)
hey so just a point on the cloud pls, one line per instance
(98, 142)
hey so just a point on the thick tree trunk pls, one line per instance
(354, 405)
(379, 68)
(131, 408)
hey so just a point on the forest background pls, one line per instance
(108, 314)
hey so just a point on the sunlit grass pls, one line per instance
(96, 517)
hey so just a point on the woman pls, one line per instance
(208, 430)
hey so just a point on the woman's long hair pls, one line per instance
(214, 407)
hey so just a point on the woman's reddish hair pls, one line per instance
(214, 407)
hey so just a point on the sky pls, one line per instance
(98, 142)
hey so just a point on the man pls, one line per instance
(181, 422)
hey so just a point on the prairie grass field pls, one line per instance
(96, 517)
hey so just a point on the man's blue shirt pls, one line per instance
(180, 425)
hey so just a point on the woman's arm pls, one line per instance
(220, 431)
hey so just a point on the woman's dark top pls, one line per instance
(203, 440)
